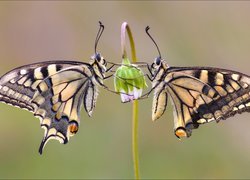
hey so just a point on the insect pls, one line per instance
(199, 94)
(54, 91)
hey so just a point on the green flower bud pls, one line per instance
(129, 81)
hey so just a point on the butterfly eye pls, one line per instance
(158, 61)
(98, 57)
(73, 127)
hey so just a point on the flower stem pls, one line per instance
(135, 140)
(125, 28)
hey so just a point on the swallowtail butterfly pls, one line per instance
(199, 94)
(54, 91)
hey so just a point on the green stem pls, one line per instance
(125, 28)
(135, 140)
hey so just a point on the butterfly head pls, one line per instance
(97, 61)
(158, 64)
(99, 64)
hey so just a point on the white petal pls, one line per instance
(126, 98)
(140, 92)
(131, 95)
(131, 98)
(137, 93)
(122, 97)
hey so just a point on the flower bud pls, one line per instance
(129, 81)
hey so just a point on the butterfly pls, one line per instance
(199, 94)
(54, 91)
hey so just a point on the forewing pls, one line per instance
(18, 86)
(202, 95)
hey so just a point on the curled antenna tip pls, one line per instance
(100, 23)
(147, 28)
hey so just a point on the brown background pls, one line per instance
(188, 34)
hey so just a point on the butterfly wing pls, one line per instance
(202, 94)
(54, 92)
(159, 100)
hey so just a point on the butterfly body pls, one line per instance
(54, 91)
(199, 94)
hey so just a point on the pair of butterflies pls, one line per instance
(55, 91)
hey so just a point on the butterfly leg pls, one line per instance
(144, 96)
(108, 76)
(110, 68)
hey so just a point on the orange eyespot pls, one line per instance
(73, 127)
(180, 133)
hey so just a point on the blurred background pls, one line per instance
(188, 33)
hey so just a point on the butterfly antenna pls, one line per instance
(99, 34)
(146, 29)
